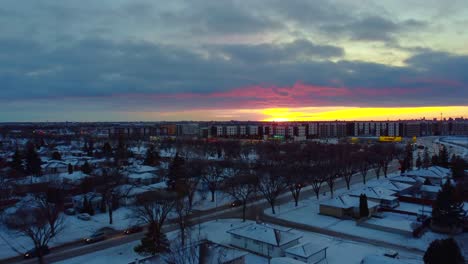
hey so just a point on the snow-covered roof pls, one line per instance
(395, 186)
(404, 179)
(141, 169)
(146, 175)
(54, 164)
(285, 260)
(159, 185)
(375, 193)
(346, 201)
(430, 188)
(131, 190)
(268, 234)
(305, 250)
(431, 172)
(376, 259)
(75, 176)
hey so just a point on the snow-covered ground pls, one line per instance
(307, 213)
(339, 251)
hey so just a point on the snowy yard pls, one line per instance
(308, 213)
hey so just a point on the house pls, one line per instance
(94, 198)
(308, 253)
(285, 260)
(143, 178)
(407, 180)
(379, 195)
(345, 206)
(74, 178)
(376, 259)
(142, 174)
(435, 174)
(263, 239)
(398, 187)
(429, 191)
(54, 166)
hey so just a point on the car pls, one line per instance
(70, 211)
(84, 216)
(35, 252)
(391, 254)
(100, 234)
(236, 203)
(133, 229)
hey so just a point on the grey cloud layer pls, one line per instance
(111, 48)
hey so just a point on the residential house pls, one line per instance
(345, 206)
(309, 253)
(265, 240)
(386, 198)
(435, 174)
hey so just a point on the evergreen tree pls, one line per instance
(86, 168)
(427, 182)
(107, 149)
(152, 157)
(418, 162)
(459, 166)
(435, 160)
(90, 147)
(33, 161)
(443, 157)
(17, 161)
(426, 159)
(443, 251)
(177, 173)
(153, 242)
(70, 169)
(363, 206)
(56, 156)
(447, 210)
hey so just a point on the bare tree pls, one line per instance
(111, 191)
(242, 187)
(213, 176)
(331, 175)
(34, 223)
(153, 208)
(316, 179)
(295, 180)
(364, 164)
(183, 210)
(51, 212)
(270, 184)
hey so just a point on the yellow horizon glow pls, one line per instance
(361, 114)
(329, 113)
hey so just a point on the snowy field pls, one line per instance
(307, 213)
(339, 251)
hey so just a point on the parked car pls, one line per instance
(391, 254)
(100, 235)
(236, 203)
(84, 216)
(35, 252)
(133, 229)
(70, 211)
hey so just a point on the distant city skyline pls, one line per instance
(277, 60)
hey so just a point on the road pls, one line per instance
(254, 212)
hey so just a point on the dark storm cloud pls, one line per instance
(269, 53)
(373, 28)
(113, 70)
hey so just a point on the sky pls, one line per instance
(131, 60)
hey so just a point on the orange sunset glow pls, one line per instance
(366, 113)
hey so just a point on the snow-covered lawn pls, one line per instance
(339, 251)
(308, 213)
